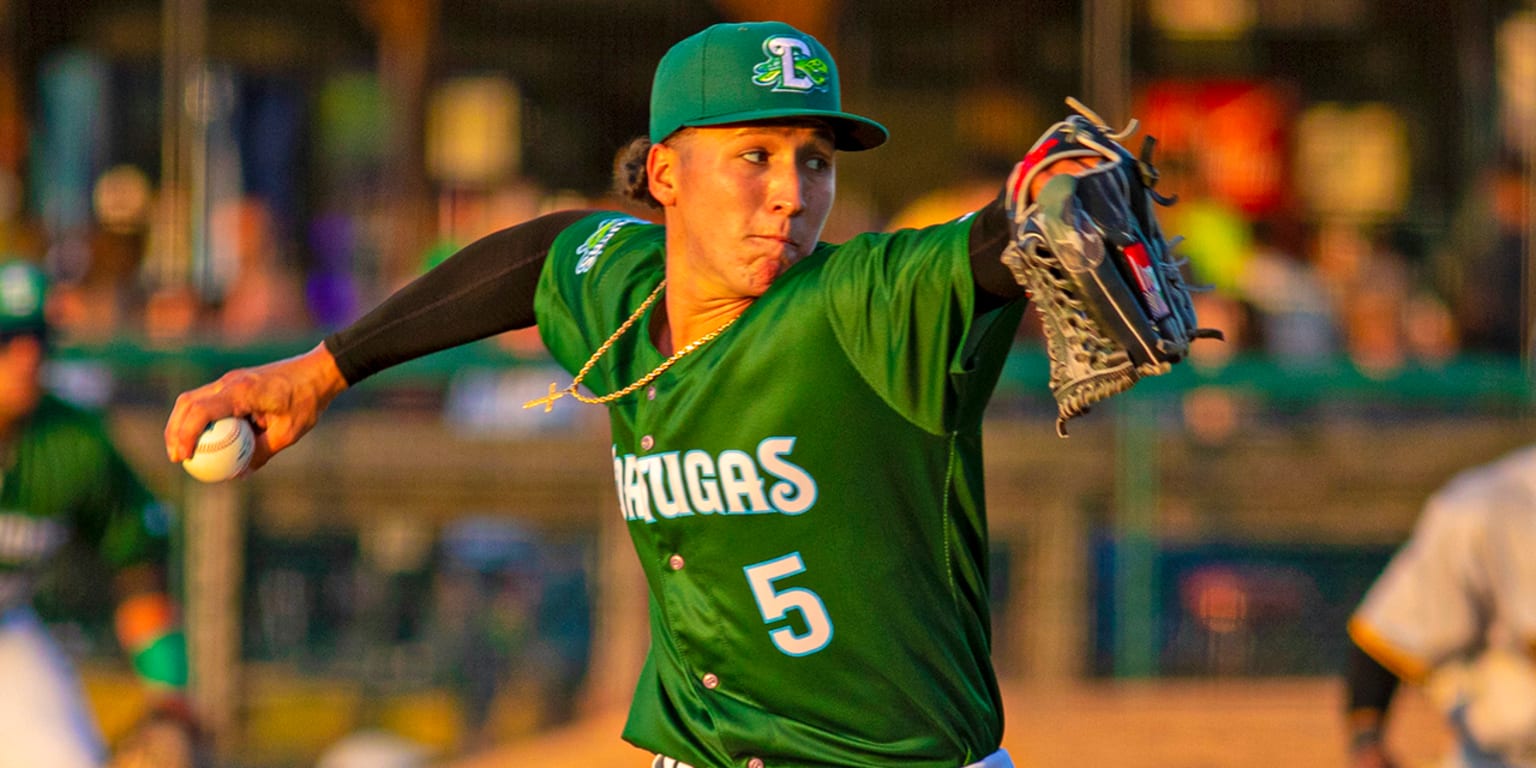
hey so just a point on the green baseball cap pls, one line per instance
(741, 73)
(23, 292)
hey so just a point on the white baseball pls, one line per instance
(223, 450)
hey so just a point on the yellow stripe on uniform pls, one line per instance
(1401, 663)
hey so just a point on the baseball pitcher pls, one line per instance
(796, 425)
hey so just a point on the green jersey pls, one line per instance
(805, 496)
(63, 480)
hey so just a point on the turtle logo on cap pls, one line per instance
(791, 66)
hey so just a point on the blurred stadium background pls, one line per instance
(216, 183)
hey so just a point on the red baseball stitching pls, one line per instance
(226, 442)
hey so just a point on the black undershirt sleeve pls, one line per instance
(488, 287)
(1369, 684)
(482, 290)
(990, 232)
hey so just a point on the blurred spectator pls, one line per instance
(1369, 280)
(1229, 314)
(1296, 321)
(265, 298)
(170, 313)
(1492, 283)
(1430, 335)
(108, 291)
(1431, 332)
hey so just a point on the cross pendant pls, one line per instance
(548, 401)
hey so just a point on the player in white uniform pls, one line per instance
(1455, 611)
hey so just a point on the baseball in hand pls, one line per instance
(223, 450)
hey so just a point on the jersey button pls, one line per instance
(756, 762)
(647, 442)
(675, 562)
(650, 392)
(710, 680)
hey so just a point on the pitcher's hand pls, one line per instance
(282, 400)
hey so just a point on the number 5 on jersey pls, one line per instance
(776, 605)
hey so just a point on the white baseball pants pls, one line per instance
(44, 718)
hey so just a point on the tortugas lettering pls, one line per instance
(673, 484)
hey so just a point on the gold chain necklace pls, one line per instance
(555, 393)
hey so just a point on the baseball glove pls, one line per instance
(1112, 299)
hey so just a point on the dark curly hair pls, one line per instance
(629, 178)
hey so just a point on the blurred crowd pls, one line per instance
(104, 287)
(296, 222)
(1382, 295)
(1298, 293)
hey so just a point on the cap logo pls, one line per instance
(791, 66)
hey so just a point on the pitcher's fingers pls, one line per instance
(192, 413)
(180, 437)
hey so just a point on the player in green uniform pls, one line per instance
(796, 425)
(63, 481)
